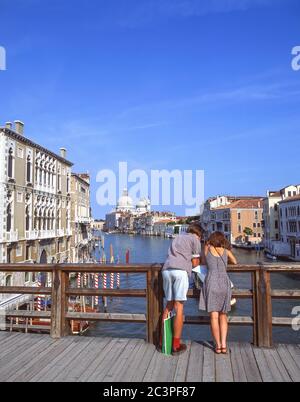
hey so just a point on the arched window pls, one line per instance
(28, 169)
(27, 218)
(8, 218)
(10, 163)
(8, 280)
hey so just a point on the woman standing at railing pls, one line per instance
(216, 293)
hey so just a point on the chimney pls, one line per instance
(8, 125)
(19, 127)
(63, 153)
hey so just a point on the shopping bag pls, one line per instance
(168, 335)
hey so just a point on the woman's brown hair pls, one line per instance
(218, 239)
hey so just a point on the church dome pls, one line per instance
(125, 202)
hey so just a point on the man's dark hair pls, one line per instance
(196, 229)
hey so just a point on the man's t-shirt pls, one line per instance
(181, 252)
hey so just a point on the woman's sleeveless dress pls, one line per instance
(216, 292)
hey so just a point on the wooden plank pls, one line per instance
(183, 364)
(6, 337)
(282, 321)
(57, 364)
(289, 363)
(99, 358)
(209, 365)
(223, 368)
(53, 349)
(38, 344)
(131, 363)
(264, 309)
(237, 293)
(64, 363)
(25, 290)
(232, 320)
(295, 353)
(33, 328)
(266, 373)
(113, 317)
(107, 292)
(137, 370)
(238, 369)
(29, 314)
(276, 366)
(113, 374)
(108, 361)
(161, 368)
(83, 360)
(250, 364)
(59, 324)
(195, 364)
(14, 344)
(285, 294)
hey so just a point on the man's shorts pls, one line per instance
(176, 284)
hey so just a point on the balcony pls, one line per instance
(83, 219)
(60, 232)
(32, 234)
(69, 232)
(11, 236)
(46, 234)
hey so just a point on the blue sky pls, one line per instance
(167, 84)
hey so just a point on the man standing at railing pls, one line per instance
(176, 272)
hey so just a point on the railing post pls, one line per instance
(59, 324)
(263, 309)
(150, 323)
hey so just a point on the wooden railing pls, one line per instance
(260, 294)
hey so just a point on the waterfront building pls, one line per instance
(97, 224)
(289, 215)
(232, 215)
(272, 228)
(35, 203)
(80, 217)
(239, 218)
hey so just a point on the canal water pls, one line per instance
(154, 250)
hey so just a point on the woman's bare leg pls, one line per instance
(223, 329)
(215, 328)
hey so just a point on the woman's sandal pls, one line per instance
(224, 350)
(218, 351)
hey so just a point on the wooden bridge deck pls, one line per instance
(32, 357)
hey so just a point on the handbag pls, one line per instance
(167, 341)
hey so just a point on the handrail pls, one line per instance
(261, 295)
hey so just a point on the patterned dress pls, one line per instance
(216, 292)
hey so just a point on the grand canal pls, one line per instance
(154, 249)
